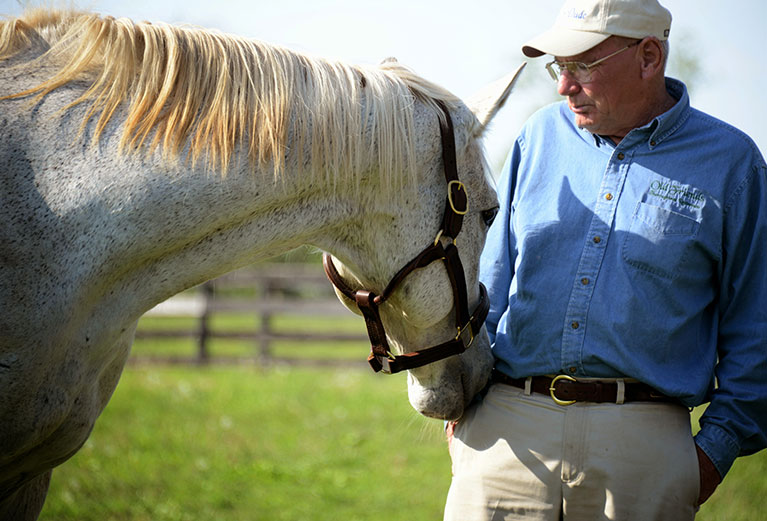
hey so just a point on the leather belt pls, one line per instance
(566, 390)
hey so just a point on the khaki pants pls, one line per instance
(518, 456)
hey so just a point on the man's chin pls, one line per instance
(586, 123)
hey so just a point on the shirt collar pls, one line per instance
(660, 128)
(672, 119)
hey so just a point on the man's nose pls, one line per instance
(567, 84)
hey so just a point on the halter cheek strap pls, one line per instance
(467, 325)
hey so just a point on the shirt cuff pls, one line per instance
(719, 446)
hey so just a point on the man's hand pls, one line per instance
(449, 430)
(709, 476)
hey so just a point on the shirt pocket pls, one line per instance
(659, 240)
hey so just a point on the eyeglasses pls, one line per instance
(580, 71)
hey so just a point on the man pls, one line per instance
(627, 275)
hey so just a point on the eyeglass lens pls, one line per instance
(580, 71)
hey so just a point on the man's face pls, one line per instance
(608, 104)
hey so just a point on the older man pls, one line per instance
(627, 277)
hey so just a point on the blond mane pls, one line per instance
(205, 96)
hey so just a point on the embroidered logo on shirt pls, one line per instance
(680, 194)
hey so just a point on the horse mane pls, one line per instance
(203, 94)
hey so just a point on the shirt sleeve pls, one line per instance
(735, 422)
(497, 261)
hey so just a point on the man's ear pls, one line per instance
(651, 56)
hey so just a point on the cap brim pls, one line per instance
(559, 41)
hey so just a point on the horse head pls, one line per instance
(414, 276)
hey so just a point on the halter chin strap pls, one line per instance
(456, 206)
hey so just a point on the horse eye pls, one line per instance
(489, 216)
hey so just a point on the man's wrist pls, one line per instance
(709, 476)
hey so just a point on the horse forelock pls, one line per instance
(204, 94)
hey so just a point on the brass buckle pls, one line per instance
(439, 236)
(552, 390)
(386, 362)
(461, 186)
(461, 331)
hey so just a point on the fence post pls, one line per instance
(265, 323)
(203, 332)
(265, 348)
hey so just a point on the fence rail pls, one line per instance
(265, 291)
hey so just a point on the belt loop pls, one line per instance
(529, 385)
(620, 396)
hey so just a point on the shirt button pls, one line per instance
(653, 143)
(575, 325)
(584, 281)
(621, 156)
(597, 239)
(609, 197)
(573, 370)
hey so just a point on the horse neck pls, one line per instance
(146, 228)
(200, 226)
(107, 224)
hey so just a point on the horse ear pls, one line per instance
(487, 102)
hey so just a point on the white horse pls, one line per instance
(138, 160)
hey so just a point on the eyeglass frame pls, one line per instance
(573, 67)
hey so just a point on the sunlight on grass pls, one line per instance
(236, 443)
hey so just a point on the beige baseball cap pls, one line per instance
(582, 24)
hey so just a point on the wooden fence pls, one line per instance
(266, 291)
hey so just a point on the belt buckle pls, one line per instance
(552, 390)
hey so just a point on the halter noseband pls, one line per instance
(456, 206)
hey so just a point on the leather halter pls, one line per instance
(456, 206)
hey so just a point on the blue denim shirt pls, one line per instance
(644, 260)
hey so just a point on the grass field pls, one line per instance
(236, 443)
(241, 444)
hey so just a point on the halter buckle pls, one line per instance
(459, 186)
(461, 331)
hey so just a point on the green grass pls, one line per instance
(741, 497)
(235, 443)
(243, 444)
